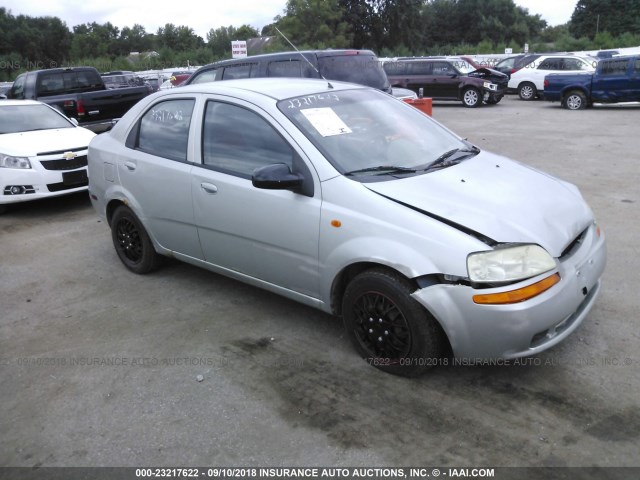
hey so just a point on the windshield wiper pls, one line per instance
(445, 160)
(383, 169)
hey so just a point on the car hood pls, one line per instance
(497, 198)
(490, 75)
(29, 144)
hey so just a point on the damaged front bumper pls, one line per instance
(526, 328)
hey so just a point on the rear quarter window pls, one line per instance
(237, 71)
(207, 76)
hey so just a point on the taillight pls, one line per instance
(546, 83)
(69, 104)
(80, 107)
(514, 70)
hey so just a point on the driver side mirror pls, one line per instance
(277, 176)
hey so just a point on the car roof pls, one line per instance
(19, 102)
(285, 55)
(271, 87)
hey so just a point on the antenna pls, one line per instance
(305, 58)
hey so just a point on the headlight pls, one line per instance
(490, 86)
(7, 161)
(509, 264)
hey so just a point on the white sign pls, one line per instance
(526, 48)
(508, 51)
(326, 121)
(238, 49)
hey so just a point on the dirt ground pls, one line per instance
(100, 367)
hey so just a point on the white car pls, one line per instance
(529, 80)
(42, 152)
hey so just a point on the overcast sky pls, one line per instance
(203, 16)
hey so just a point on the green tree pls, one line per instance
(179, 39)
(219, 40)
(315, 24)
(94, 40)
(134, 39)
(613, 16)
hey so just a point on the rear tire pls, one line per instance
(388, 328)
(575, 100)
(527, 91)
(132, 243)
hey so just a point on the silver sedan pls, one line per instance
(348, 200)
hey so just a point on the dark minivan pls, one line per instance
(355, 66)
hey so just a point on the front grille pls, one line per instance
(60, 152)
(63, 164)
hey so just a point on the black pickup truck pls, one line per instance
(79, 93)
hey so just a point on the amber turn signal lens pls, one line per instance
(519, 295)
(336, 223)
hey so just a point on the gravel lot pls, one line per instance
(99, 367)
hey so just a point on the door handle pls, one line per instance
(209, 188)
(130, 165)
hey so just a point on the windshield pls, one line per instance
(365, 132)
(361, 69)
(26, 118)
(463, 66)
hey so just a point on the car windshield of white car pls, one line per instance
(27, 118)
(368, 135)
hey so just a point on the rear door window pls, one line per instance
(395, 68)
(285, 68)
(575, 64)
(419, 68)
(551, 64)
(443, 68)
(164, 129)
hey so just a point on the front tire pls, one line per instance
(471, 98)
(527, 91)
(387, 327)
(132, 243)
(575, 100)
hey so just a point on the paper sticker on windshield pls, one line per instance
(326, 121)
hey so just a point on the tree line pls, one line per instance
(389, 27)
